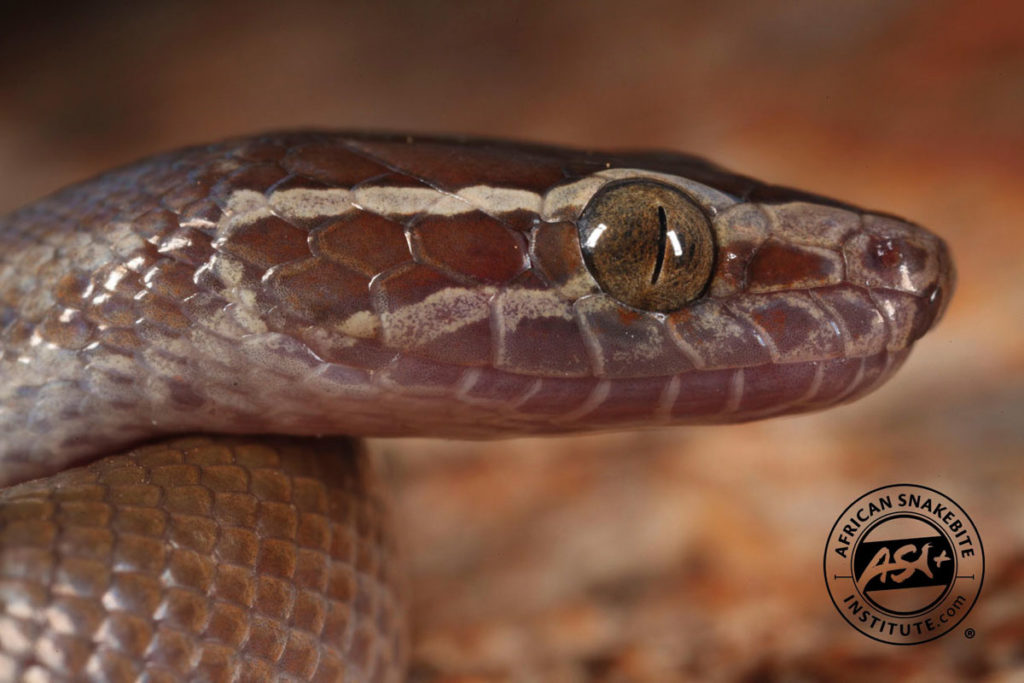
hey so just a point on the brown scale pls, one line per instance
(256, 177)
(780, 266)
(644, 391)
(316, 290)
(363, 241)
(69, 330)
(172, 280)
(473, 244)
(773, 386)
(333, 165)
(719, 338)
(267, 242)
(793, 324)
(452, 168)
(709, 391)
(557, 257)
(407, 286)
(539, 344)
(629, 345)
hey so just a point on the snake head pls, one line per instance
(321, 282)
(522, 289)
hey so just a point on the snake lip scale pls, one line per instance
(319, 283)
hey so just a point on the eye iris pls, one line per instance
(647, 244)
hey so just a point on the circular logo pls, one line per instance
(904, 564)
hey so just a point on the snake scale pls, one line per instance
(238, 312)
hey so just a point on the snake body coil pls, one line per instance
(320, 283)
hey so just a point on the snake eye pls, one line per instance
(647, 244)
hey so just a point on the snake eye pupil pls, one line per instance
(647, 244)
(662, 236)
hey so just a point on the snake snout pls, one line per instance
(905, 265)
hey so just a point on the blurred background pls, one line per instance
(663, 555)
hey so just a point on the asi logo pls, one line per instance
(904, 564)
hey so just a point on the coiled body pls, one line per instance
(321, 283)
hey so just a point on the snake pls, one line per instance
(193, 346)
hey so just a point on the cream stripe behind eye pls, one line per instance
(406, 201)
(563, 202)
(306, 203)
(248, 206)
(501, 199)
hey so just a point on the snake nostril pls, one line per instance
(886, 254)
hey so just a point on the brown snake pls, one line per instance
(316, 283)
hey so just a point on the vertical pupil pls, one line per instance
(659, 261)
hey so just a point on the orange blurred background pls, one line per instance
(663, 555)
